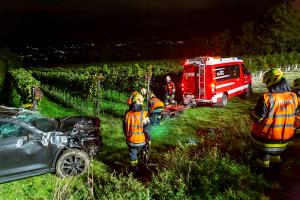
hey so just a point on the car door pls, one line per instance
(22, 152)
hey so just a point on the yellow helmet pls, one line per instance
(272, 77)
(296, 83)
(138, 99)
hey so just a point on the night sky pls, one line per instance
(47, 21)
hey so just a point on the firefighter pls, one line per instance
(273, 119)
(136, 128)
(296, 90)
(156, 107)
(136, 97)
(169, 91)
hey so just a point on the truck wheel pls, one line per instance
(223, 102)
(249, 92)
(72, 162)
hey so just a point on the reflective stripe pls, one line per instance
(294, 102)
(275, 159)
(137, 132)
(134, 126)
(263, 163)
(141, 119)
(281, 116)
(224, 85)
(133, 163)
(271, 100)
(279, 125)
(267, 145)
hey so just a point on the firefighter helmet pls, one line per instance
(272, 76)
(138, 99)
(143, 91)
(296, 83)
(168, 78)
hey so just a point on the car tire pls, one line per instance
(72, 162)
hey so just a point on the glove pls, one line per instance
(149, 143)
(173, 96)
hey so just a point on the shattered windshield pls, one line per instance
(9, 130)
(37, 120)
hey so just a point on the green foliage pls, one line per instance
(283, 60)
(128, 76)
(96, 89)
(3, 70)
(14, 99)
(168, 184)
(191, 173)
(23, 82)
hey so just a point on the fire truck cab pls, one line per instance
(214, 80)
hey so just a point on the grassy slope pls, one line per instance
(165, 137)
(198, 125)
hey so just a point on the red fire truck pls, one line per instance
(214, 80)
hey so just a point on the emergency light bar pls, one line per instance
(210, 60)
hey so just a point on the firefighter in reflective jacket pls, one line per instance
(156, 107)
(273, 119)
(296, 90)
(169, 91)
(136, 128)
(136, 97)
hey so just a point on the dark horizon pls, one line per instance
(48, 22)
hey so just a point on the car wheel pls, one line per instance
(72, 162)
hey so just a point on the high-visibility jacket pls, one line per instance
(155, 103)
(170, 88)
(297, 119)
(278, 124)
(134, 127)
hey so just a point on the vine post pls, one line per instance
(148, 81)
(96, 92)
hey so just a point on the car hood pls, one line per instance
(78, 124)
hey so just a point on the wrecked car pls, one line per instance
(32, 144)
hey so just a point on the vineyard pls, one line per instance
(98, 84)
(191, 159)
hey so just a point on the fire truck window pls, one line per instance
(235, 71)
(222, 73)
(246, 71)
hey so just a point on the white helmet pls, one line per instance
(143, 91)
(168, 78)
